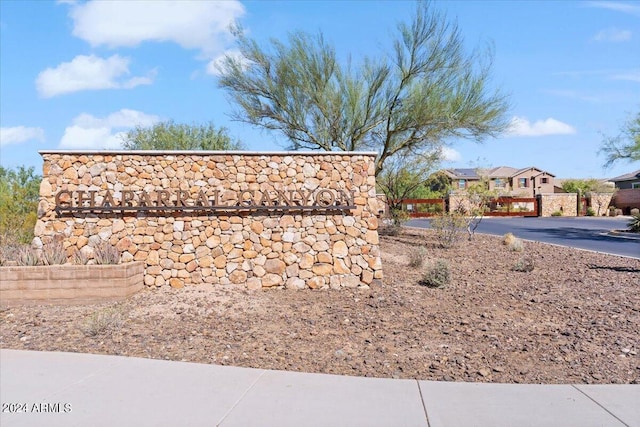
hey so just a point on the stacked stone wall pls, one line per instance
(257, 248)
(566, 203)
(600, 202)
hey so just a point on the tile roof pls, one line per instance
(627, 176)
(497, 172)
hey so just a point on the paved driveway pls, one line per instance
(583, 232)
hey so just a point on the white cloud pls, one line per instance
(200, 25)
(213, 67)
(450, 155)
(90, 132)
(616, 6)
(613, 74)
(612, 35)
(520, 126)
(633, 76)
(573, 95)
(88, 73)
(20, 134)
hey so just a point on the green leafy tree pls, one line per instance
(404, 178)
(579, 185)
(626, 145)
(428, 89)
(19, 194)
(585, 186)
(439, 184)
(169, 135)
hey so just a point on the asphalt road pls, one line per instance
(583, 232)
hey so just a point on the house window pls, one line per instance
(522, 182)
(461, 184)
(545, 180)
(635, 185)
(499, 183)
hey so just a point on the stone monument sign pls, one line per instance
(255, 219)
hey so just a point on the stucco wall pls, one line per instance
(253, 248)
(627, 199)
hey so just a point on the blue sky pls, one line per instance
(73, 75)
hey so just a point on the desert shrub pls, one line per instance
(9, 248)
(416, 257)
(28, 256)
(517, 245)
(102, 322)
(398, 215)
(449, 228)
(79, 257)
(591, 211)
(19, 193)
(390, 230)
(524, 264)
(53, 253)
(634, 223)
(106, 253)
(437, 275)
(635, 211)
(556, 213)
(508, 238)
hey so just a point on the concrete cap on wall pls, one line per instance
(211, 153)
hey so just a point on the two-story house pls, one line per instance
(628, 180)
(507, 181)
(628, 195)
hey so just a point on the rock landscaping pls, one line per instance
(572, 318)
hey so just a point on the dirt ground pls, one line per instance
(573, 319)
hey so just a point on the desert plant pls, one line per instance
(449, 228)
(635, 211)
(524, 264)
(9, 248)
(53, 253)
(517, 245)
(102, 322)
(28, 256)
(416, 258)
(634, 223)
(106, 253)
(79, 258)
(591, 211)
(508, 238)
(390, 230)
(19, 193)
(398, 216)
(556, 213)
(437, 275)
(479, 197)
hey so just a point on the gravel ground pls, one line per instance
(573, 319)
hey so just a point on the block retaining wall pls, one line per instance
(69, 284)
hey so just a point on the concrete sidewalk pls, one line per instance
(94, 390)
